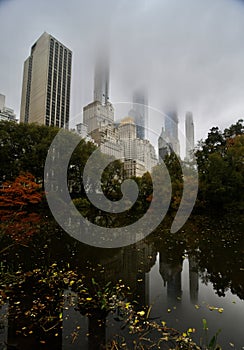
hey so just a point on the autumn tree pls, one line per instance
(19, 201)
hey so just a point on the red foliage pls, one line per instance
(18, 200)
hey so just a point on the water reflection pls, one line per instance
(182, 276)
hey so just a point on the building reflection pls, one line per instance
(171, 275)
(193, 279)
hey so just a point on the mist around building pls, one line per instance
(46, 95)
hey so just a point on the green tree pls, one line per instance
(221, 167)
(23, 148)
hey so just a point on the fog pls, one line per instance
(188, 54)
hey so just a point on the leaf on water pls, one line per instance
(127, 305)
(205, 326)
(141, 313)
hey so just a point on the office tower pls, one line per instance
(139, 113)
(171, 131)
(46, 83)
(6, 113)
(189, 132)
(101, 79)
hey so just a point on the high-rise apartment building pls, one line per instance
(189, 132)
(46, 83)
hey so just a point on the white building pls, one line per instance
(6, 113)
(97, 115)
(139, 154)
(81, 130)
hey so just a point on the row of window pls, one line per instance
(28, 90)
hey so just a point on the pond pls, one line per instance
(185, 278)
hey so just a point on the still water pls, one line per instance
(193, 275)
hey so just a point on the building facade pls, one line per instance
(46, 83)
(97, 115)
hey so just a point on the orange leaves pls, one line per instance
(17, 207)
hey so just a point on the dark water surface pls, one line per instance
(193, 275)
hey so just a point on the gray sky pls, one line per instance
(189, 53)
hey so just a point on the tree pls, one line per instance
(18, 207)
(221, 168)
(24, 148)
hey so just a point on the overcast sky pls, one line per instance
(188, 53)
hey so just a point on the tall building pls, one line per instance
(163, 146)
(139, 113)
(171, 131)
(6, 113)
(46, 83)
(139, 155)
(189, 132)
(101, 79)
(97, 115)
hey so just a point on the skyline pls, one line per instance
(213, 52)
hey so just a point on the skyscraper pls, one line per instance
(139, 112)
(46, 83)
(101, 79)
(171, 131)
(100, 112)
(164, 148)
(189, 132)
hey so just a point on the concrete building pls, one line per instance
(189, 133)
(6, 113)
(81, 129)
(139, 154)
(97, 115)
(46, 83)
